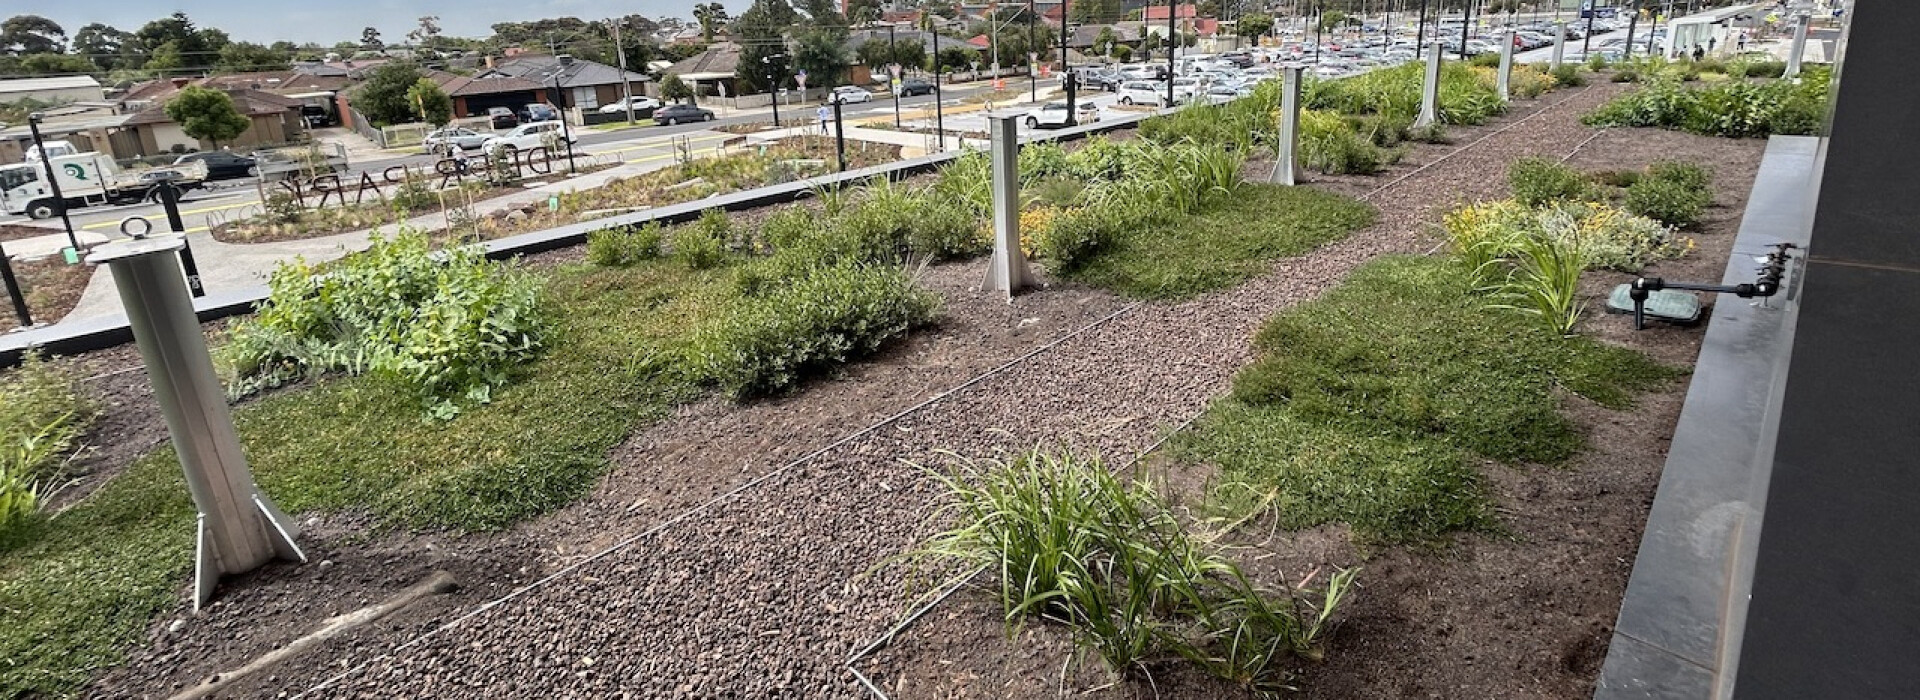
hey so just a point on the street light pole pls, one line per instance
(1587, 41)
(53, 180)
(893, 60)
(1420, 30)
(566, 136)
(626, 89)
(773, 88)
(1466, 29)
(1172, 7)
(1033, 81)
(939, 115)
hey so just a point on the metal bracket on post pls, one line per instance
(1008, 270)
(1430, 93)
(1559, 45)
(1799, 49)
(1506, 69)
(238, 528)
(1286, 162)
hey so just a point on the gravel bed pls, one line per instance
(765, 594)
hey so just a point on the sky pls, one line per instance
(330, 21)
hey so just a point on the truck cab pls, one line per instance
(85, 179)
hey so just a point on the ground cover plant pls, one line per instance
(1732, 109)
(1369, 406)
(1157, 221)
(1467, 96)
(1068, 540)
(41, 418)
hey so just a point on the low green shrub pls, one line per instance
(791, 228)
(1568, 75)
(1068, 539)
(703, 244)
(1626, 75)
(624, 246)
(1757, 69)
(41, 417)
(1733, 109)
(1689, 175)
(1467, 96)
(1490, 59)
(814, 323)
(1596, 62)
(1536, 181)
(1606, 236)
(1615, 178)
(1667, 201)
(1329, 144)
(448, 323)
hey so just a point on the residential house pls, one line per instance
(275, 120)
(709, 72)
(582, 83)
(473, 95)
(1186, 19)
(78, 88)
(1084, 35)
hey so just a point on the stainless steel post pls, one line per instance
(1799, 45)
(1430, 93)
(239, 529)
(1506, 68)
(1286, 163)
(1559, 45)
(1008, 270)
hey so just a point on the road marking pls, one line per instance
(642, 147)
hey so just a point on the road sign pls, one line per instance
(894, 68)
(801, 78)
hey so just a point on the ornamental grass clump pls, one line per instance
(41, 417)
(449, 323)
(1066, 539)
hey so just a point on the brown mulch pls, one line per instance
(51, 286)
(14, 232)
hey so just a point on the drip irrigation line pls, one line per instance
(724, 497)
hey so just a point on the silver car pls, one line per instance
(443, 140)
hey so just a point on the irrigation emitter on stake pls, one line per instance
(238, 529)
(59, 200)
(13, 290)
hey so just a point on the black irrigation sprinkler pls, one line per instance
(1772, 268)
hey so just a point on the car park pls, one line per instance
(848, 94)
(642, 106)
(221, 165)
(526, 137)
(442, 140)
(680, 113)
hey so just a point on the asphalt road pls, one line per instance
(238, 198)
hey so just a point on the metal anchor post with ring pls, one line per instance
(238, 528)
(169, 196)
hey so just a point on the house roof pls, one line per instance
(1084, 35)
(282, 82)
(980, 41)
(252, 103)
(488, 84)
(19, 85)
(720, 58)
(578, 73)
(902, 36)
(1160, 12)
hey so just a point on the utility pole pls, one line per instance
(1633, 22)
(773, 87)
(1173, 7)
(1587, 41)
(626, 89)
(893, 60)
(1033, 80)
(1063, 48)
(1466, 29)
(1420, 30)
(939, 115)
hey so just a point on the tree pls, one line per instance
(370, 39)
(761, 32)
(43, 64)
(711, 16)
(1103, 44)
(953, 57)
(430, 102)
(383, 98)
(1254, 25)
(181, 43)
(863, 11)
(1122, 53)
(1334, 19)
(821, 49)
(427, 34)
(25, 35)
(246, 56)
(165, 58)
(1095, 11)
(205, 113)
(102, 45)
(673, 89)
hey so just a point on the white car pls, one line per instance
(847, 94)
(641, 104)
(1140, 92)
(1185, 88)
(1054, 114)
(526, 137)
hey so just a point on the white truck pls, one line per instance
(86, 179)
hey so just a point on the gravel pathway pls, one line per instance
(765, 592)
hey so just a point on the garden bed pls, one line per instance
(1524, 610)
(52, 287)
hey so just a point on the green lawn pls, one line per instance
(1234, 240)
(78, 589)
(1369, 406)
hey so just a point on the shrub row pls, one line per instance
(1736, 109)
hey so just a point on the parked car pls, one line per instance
(1052, 115)
(642, 106)
(1101, 80)
(1086, 112)
(453, 138)
(1140, 92)
(675, 114)
(848, 94)
(916, 86)
(538, 112)
(525, 137)
(502, 118)
(221, 165)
